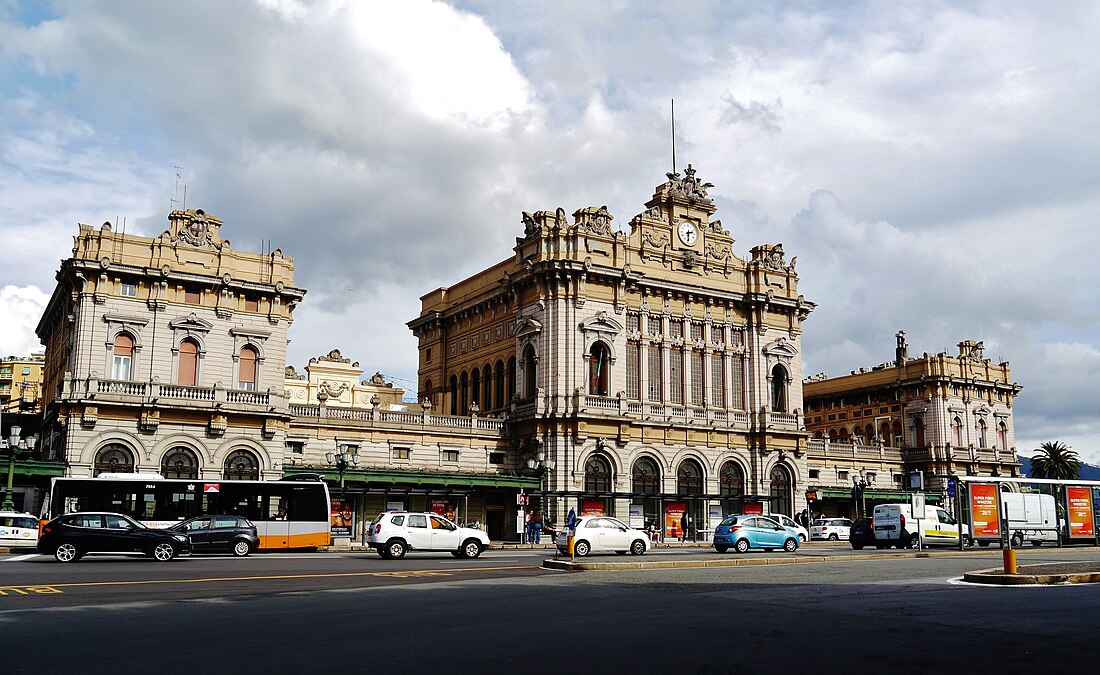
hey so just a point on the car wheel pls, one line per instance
(66, 551)
(638, 547)
(914, 541)
(241, 548)
(790, 546)
(395, 549)
(581, 548)
(163, 551)
(833, 537)
(1017, 540)
(802, 537)
(471, 549)
(968, 541)
(742, 546)
(983, 544)
(721, 548)
(858, 547)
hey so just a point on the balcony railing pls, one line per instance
(620, 406)
(472, 422)
(126, 390)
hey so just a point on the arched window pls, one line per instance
(464, 393)
(899, 440)
(599, 376)
(781, 490)
(884, 431)
(597, 474)
(832, 435)
(241, 465)
(475, 387)
(689, 478)
(179, 462)
(957, 432)
(1002, 435)
(498, 384)
(454, 395)
(918, 431)
(246, 379)
(530, 368)
(187, 372)
(731, 485)
(487, 388)
(980, 431)
(857, 433)
(122, 363)
(843, 434)
(644, 477)
(429, 392)
(113, 458)
(511, 379)
(779, 388)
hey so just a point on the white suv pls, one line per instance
(395, 532)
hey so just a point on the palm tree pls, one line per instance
(1055, 459)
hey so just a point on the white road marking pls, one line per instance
(21, 557)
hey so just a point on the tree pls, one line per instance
(1055, 459)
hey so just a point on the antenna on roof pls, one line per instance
(673, 135)
(175, 196)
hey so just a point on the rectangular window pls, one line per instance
(717, 381)
(654, 388)
(815, 473)
(716, 334)
(676, 376)
(735, 338)
(496, 457)
(251, 304)
(676, 328)
(120, 368)
(192, 296)
(26, 370)
(295, 448)
(400, 453)
(697, 378)
(633, 323)
(633, 371)
(450, 456)
(737, 378)
(696, 331)
(654, 324)
(129, 290)
(428, 355)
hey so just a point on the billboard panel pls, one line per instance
(985, 512)
(1079, 500)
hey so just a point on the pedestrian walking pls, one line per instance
(684, 527)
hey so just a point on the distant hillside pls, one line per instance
(1088, 471)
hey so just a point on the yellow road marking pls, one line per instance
(52, 588)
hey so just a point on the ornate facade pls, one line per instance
(167, 354)
(937, 414)
(641, 374)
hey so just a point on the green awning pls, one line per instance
(418, 478)
(33, 467)
(877, 495)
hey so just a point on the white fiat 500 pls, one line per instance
(601, 533)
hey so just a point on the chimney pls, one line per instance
(902, 351)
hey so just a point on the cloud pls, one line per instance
(22, 309)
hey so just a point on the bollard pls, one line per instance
(1009, 555)
(569, 545)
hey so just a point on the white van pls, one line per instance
(1031, 517)
(18, 529)
(895, 526)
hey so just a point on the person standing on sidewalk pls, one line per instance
(684, 527)
(536, 528)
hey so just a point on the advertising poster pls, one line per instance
(592, 507)
(341, 517)
(754, 509)
(985, 513)
(445, 508)
(1080, 512)
(715, 515)
(674, 514)
(636, 518)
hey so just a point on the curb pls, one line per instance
(997, 577)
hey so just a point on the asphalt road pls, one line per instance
(501, 613)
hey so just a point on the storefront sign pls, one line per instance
(985, 513)
(341, 517)
(1080, 512)
(674, 515)
(754, 509)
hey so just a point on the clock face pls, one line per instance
(687, 233)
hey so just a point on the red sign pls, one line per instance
(985, 513)
(210, 487)
(674, 519)
(1080, 512)
(592, 507)
(754, 509)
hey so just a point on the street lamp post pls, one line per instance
(859, 485)
(543, 466)
(14, 443)
(342, 460)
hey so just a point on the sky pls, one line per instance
(933, 166)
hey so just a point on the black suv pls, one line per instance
(220, 534)
(73, 535)
(862, 533)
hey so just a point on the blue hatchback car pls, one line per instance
(744, 532)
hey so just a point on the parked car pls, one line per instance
(220, 534)
(18, 529)
(745, 532)
(862, 533)
(830, 529)
(393, 533)
(897, 525)
(787, 521)
(602, 533)
(72, 536)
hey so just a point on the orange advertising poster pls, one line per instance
(1080, 512)
(674, 514)
(592, 507)
(984, 512)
